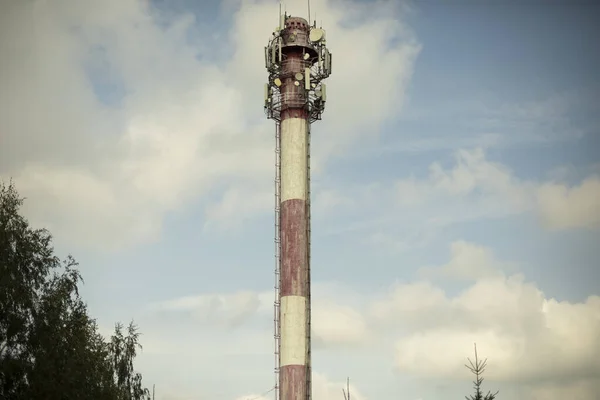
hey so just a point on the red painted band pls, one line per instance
(292, 382)
(294, 248)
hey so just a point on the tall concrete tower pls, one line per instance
(297, 61)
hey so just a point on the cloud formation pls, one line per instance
(143, 126)
(228, 310)
(532, 341)
(334, 324)
(563, 207)
(468, 262)
(486, 188)
(412, 210)
(525, 335)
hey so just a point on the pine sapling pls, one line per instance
(477, 368)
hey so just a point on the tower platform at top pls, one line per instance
(297, 61)
(297, 37)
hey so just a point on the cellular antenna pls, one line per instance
(308, 1)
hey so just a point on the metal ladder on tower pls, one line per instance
(276, 303)
(308, 268)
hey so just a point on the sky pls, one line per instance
(455, 188)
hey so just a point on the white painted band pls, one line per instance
(294, 135)
(293, 331)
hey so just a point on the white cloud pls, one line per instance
(563, 207)
(333, 324)
(337, 325)
(468, 262)
(515, 325)
(325, 389)
(490, 189)
(534, 343)
(326, 200)
(579, 390)
(411, 211)
(183, 128)
(226, 310)
(238, 204)
(526, 336)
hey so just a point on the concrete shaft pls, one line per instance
(294, 382)
(294, 288)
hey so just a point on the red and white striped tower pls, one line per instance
(298, 62)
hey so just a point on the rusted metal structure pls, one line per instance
(297, 61)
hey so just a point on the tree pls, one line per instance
(123, 350)
(50, 348)
(26, 258)
(477, 368)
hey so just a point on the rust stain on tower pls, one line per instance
(298, 62)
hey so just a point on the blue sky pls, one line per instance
(455, 188)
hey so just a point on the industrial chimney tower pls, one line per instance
(295, 95)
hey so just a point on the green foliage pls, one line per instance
(478, 368)
(50, 348)
(123, 350)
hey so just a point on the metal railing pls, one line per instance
(283, 101)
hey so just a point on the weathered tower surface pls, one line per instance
(295, 95)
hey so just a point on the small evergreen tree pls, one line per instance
(477, 368)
